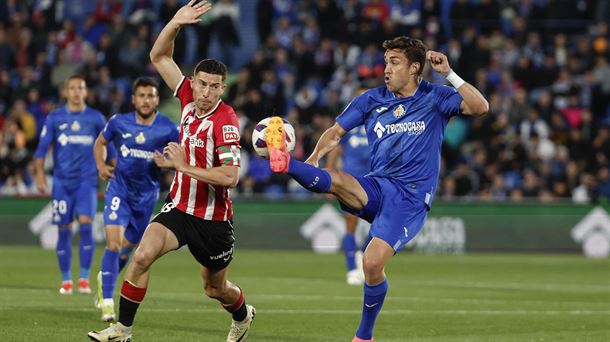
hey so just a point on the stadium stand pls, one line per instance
(542, 64)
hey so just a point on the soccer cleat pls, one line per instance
(108, 314)
(355, 277)
(99, 296)
(275, 137)
(357, 339)
(239, 330)
(66, 287)
(83, 286)
(114, 333)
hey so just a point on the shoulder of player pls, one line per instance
(163, 120)
(93, 111)
(224, 112)
(438, 89)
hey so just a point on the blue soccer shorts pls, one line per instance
(71, 199)
(132, 212)
(395, 213)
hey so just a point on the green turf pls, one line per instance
(302, 297)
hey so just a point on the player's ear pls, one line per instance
(414, 68)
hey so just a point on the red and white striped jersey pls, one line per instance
(209, 141)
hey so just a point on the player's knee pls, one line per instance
(143, 259)
(84, 219)
(336, 179)
(114, 246)
(372, 264)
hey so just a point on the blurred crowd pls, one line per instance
(542, 64)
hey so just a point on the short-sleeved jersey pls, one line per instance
(72, 135)
(356, 155)
(210, 140)
(405, 134)
(135, 145)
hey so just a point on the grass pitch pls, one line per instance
(302, 297)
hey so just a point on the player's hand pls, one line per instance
(439, 62)
(105, 171)
(313, 161)
(174, 154)
(191, 12)
(41, 183)
(160, 160)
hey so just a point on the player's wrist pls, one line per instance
(454, 79)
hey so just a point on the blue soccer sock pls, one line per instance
(86, 249)
(110, 272)
(310, 177)
(64, 252)
(373, 301)
(124, 257)
(349, 250)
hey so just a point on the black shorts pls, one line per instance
(210, 242)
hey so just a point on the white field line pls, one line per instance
(358, 298)
(356, 312)
(469, 284)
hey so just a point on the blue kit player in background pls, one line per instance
(72, 130)
(353, 149)
(133, 187)
(405, 122)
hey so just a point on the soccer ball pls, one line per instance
(258, 137)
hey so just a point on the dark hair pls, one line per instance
(212, 66)
(144, 82)
(414, 49)
(75, 77)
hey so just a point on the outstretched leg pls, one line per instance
(341, 184)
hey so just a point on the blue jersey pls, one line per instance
(405, 134)
(356, 155)
(72, 135)
(135, 144)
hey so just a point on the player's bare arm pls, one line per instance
(163, 49)
(328, 141)
(173, 155)
(473, 102)
(41, 181)
(104, 170)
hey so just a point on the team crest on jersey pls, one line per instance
(230, 133)
(399, 111)
(113, 215)
(140, 139)
(75, 126)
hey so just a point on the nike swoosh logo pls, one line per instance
(63, 126)
(371, 305)
(114, 338)
(126, 135)
(106, 273)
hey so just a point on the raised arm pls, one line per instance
(473, 102)
(161, 54)
(328, 141)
